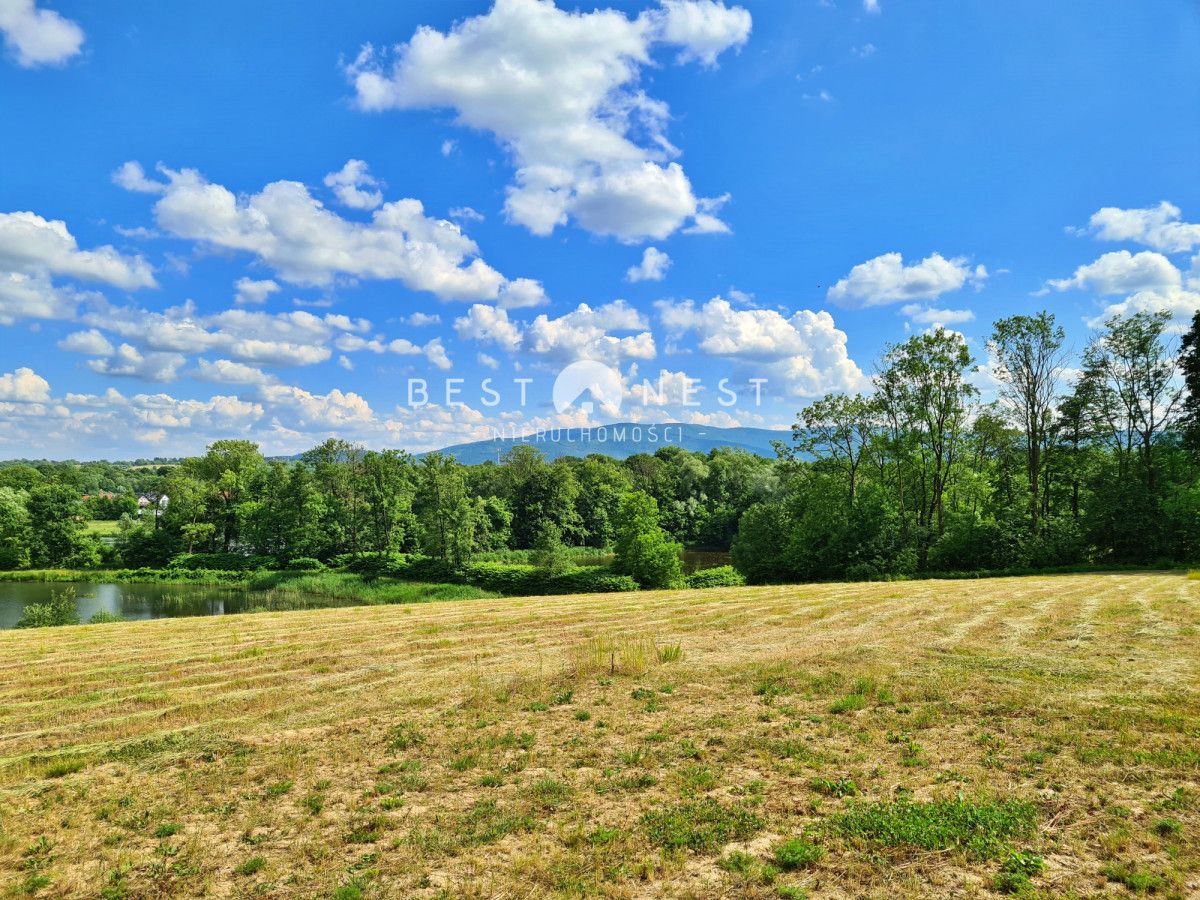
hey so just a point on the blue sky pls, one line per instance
(431, 190)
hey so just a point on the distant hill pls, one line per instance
(624, 439)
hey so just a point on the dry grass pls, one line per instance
(793, 745)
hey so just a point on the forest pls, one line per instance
(1085, 459)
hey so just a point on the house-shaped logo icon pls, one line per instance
(586, 384)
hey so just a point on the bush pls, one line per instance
(225, 562)
(756, 549)
(305, 564)
(60, 610)
(721, 576)
(104, 617)
(525, 580)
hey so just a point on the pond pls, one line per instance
(130, 601)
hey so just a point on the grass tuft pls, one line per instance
(981, 827)
(703, 826)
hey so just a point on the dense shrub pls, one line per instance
(225, 562)
(60, 609)
(721, 576)
(523, 580)
(104, 617)
(305, 564)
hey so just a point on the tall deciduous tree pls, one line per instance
(925, 393)
(1189, 368)
(839, 427)
(1133, 386)
(1027, 359)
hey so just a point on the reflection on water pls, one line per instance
(168, 601)
(134, 601)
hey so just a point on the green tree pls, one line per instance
(388, 488)
(840, 428)
(924, 392)
(1027, 359)
(539, 494)
(1189, 368)
(228, 471)
(15, 530)
(57, 520)
(642, 549)
(1135, 394)
(449, 519)
(549, 552)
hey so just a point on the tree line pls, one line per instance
(1094, 464)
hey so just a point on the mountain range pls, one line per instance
(624, 439)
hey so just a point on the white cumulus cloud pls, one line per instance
(91, 342)
(250, 291)
(32, 245)
(38, 37)
(129, 362)
(806, 351)
(653, 266)
(885, 279)
(354, 186)
(1159, 227)
(1122, 272)
(291, 231)
(582, 333)
(24, 386)
(931, 315)
(559, 90)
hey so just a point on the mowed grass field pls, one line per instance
(1036, 736)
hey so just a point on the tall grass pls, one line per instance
(278, 586)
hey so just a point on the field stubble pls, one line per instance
(1033, 736)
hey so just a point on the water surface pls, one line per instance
(130, 601)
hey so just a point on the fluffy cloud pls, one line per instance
(703, 28)
(91, 342)
(582, 333)
(559, 91)
(24, 386)
(1159, 227)
(432, 350)
(31, 245)
(129, 362)
(225, 371)
(885, 279)
(487, 324)
(666, 389)
(301, 408)
(354, 186)
(420, 320)
(250, 291)
(132, 177)
(653, 266)
(1180, 304)
(931, 315)
(38, 37)
(1122, 272)
(34, 297)
(805, 350)
(297, 338)
(520, 293)
(288, 229)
